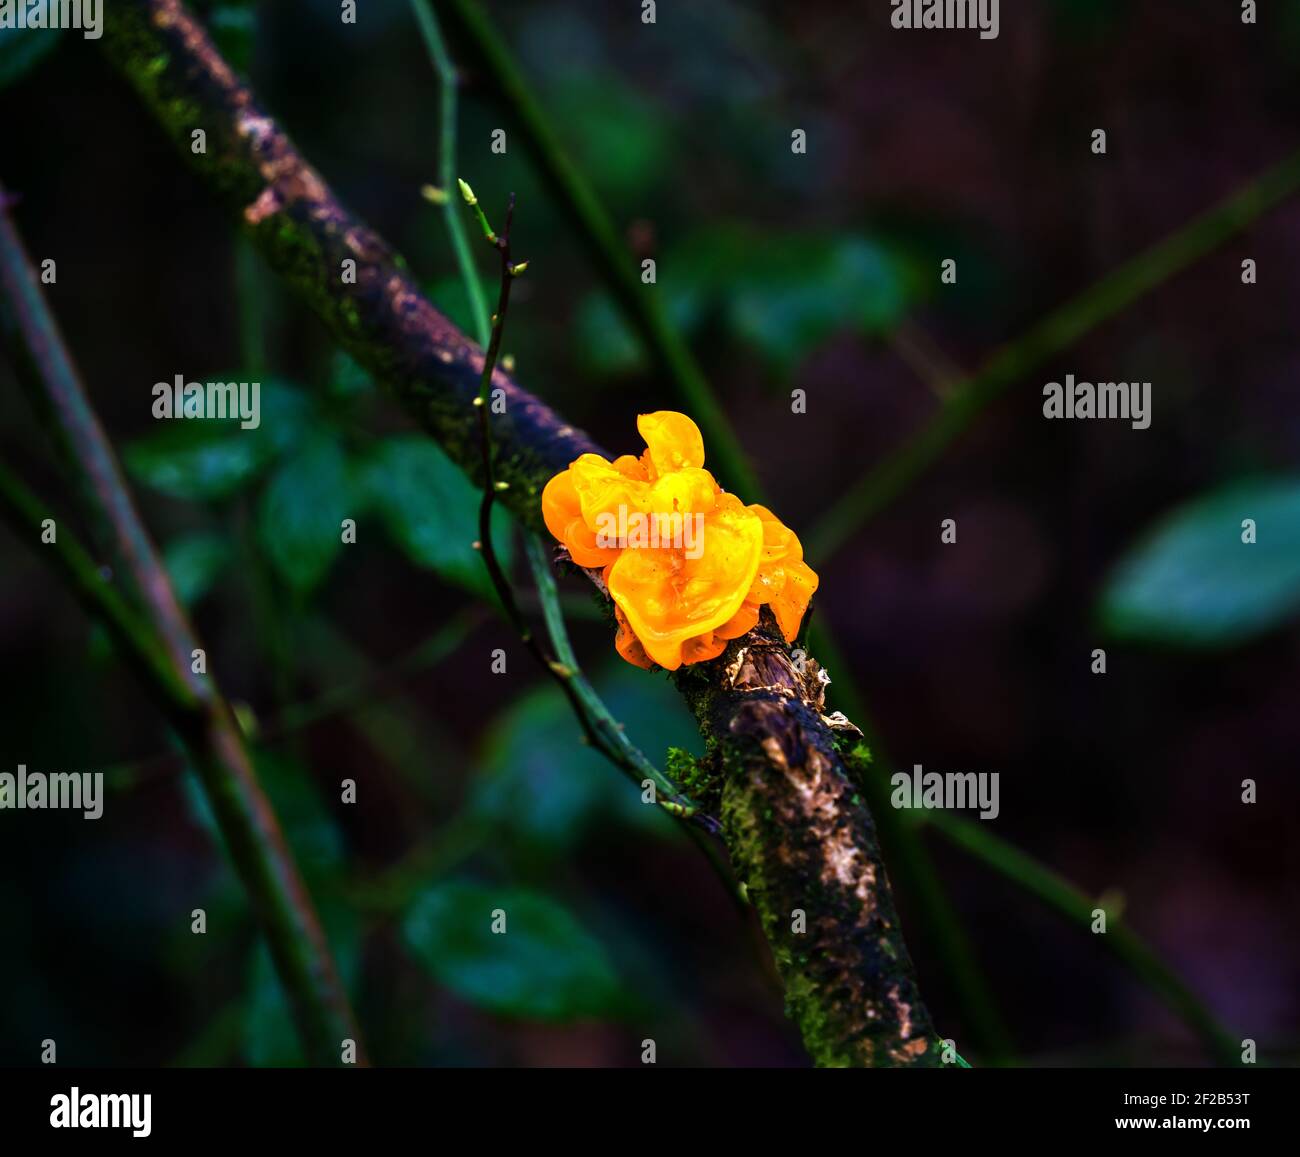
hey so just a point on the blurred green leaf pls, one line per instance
(201, 459)
(806, 289)
(605, 343)
(22, 49)
(347, 377)
(301, 512)
(431, 510)
(1193, 582)
(546, 790)
(194, 563)
(779, 294)
(544, 966)
(196, 460)
(624, 146)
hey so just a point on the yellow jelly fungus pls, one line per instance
(687, 565)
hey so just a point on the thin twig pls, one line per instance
(920, 353)
(599, 726)
(369, 687)
(615, 743)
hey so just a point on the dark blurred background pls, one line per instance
(817, 272)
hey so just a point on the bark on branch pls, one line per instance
(306, 236)
(797, 831)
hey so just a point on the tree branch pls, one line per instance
(797, 832)
(306, 236)
(804, 843)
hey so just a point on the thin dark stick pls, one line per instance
(563, 673)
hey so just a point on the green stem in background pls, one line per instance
(1063, 897)
(390, 721)
(1021, 869)
(575, 197)
(133, 638)
(207, 727)
(1060, 330)
(627, 756)
(377, 683)
(270, 618)
(252, 835)
(448, 82)
(372, 689)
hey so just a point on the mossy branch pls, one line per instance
(797, 833)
